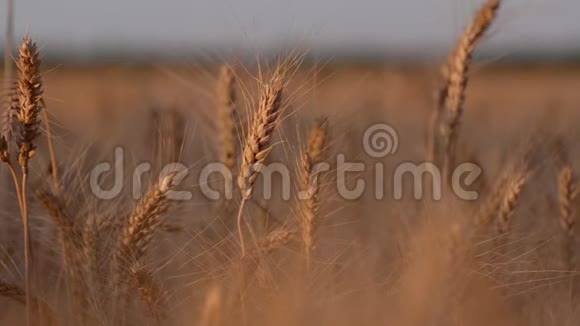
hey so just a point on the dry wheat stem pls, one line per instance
(51, 151)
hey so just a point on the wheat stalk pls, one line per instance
(257, 144)
(455, 75)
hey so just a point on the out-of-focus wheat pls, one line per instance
(310, 188)
(226, 120)
(456, 77)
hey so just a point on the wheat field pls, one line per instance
(73, 251)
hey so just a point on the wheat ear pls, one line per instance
(567, 195)
(456, 77)
(27, 116)
(226, 123)
(149, 291)
(257, 144)
(488, 212)
(510, 201)
(145, 219)
(309, 205)
(137, 234)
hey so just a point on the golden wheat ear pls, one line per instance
(145, 220)
(226, 120)
(257, 143)
(510, 200)
(309, 185)
(455, 77)
(137, 234)
(567, 193)
(26, 131)
(30, 97)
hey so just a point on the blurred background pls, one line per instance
(105, 61)
(366, 29)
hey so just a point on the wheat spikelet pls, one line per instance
(456, 76)
(257, 144)
(309, 206)
(145, 219)
(510, 201)
(226, 123)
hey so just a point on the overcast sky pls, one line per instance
(88, 25)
